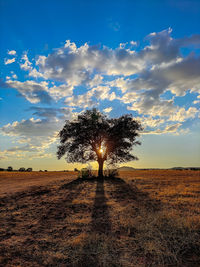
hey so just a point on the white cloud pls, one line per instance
(9, 61)
(138, 78)
(133, 43)
(58, 92)
(26, 65)
(12, 52)
(97, 80)
(36, 135)
(149, 121)
(169, 129)
(182, 114)
(33, 91)
(107, 110)
(14, 76)
(196, 102)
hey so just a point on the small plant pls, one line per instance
(111, 173)
(22, 169)
(10, 169)
(85, 173)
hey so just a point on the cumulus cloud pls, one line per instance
(182, 114)
(76, 64)
(138, 78)
(92, 97)
(12, 52)
(33, 91)
(26, 64)
(9, 61)
(172, 129)
(36, 135)
(108, 110)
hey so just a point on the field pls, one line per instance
(141, 218)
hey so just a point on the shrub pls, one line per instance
(22, 169)
(10, 169)
(111, 173)
(85, 173)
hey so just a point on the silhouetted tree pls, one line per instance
(22, 169)
(10, 169)
(29, 169)
(93, 136)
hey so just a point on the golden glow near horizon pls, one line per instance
(101, 150)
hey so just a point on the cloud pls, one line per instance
(36, 135)
(26, 64)
(9, 61)
(172, 129)
(92, 97)
(182, 114)
(14, 76)
(107, 110)
(33, 91)
(12, 52)
(138, 78)
(64, 112)
(77, 65)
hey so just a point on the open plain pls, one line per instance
(141, 218)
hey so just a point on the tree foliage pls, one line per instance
(93, 136)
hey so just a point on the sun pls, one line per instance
(101, 150)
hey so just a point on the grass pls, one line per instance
(143, 218)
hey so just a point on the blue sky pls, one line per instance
(58, 58)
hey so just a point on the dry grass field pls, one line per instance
(141, 218)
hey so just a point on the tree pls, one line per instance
(9, 169)
(22, 169)
(93, 136)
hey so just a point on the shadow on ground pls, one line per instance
(100, 214)
(47, 226)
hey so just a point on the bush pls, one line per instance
(22, 169)
(111, 173)
(10, 169)
(85, 173)
(29, 170)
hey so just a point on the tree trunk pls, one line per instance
(100, 171)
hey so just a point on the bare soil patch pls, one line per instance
(12, 182)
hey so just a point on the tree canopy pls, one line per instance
(95, 137)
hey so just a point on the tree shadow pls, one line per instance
(125, 192)
(100, 214)
(99, 248)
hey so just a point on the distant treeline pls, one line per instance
(186, 168)
(22, 169)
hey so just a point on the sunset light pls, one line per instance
(90, 54)
(99, 133)
(101, 150)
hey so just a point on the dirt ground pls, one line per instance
(141, 218)
(12, 182)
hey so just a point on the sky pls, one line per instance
(59, 58)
